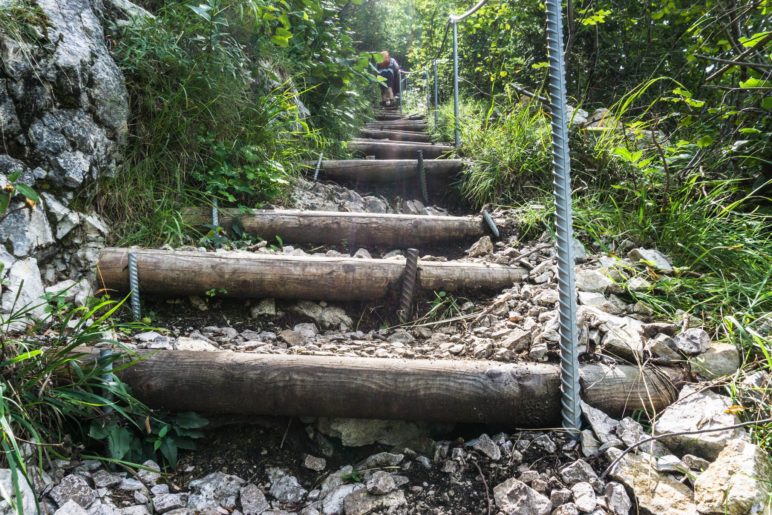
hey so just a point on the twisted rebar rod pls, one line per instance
(436, 95)
(457, 129)
(136, 308)
(569, 362)
(408, 285)
(422, 178)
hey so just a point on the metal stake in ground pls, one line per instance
(569, 362)
(136, 308)
(457, 128)
(422, 177)
(408, 285)
(318, 166)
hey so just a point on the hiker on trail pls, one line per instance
(389, 70)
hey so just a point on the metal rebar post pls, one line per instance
(436, 95)
(408, 285)
(106, 363)
(422, 178)
(136, 308)
(215, 215)
(318, 166)
(407, 86)
(491, 224)
(569, 361)
(455, 84)
(428, 94)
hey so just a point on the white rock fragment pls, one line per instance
(698, 410)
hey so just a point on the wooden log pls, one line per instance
(402, 125)
(335, 228)
(513, 394)
(388, 171)
(395, 135)
(397, 149)
(249, 275)
(382, 116)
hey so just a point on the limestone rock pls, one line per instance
(266, 307)
(285, 488)
(168, 502)
(485, 445)
(623, 336)
(75, 488)
(314, 463)
(584, 497)
(693, 341)
(652, 258)
(332, 504)
(193, 344)
(381, 483)
(325, 316)
(360, 432)
(513, 497)
(576, 472)
(24, 288)
(721, 359)
(26, 229)
(6, 485)
(655, 492)
(71, 508)
(593, 281)
(215, 490)
(481, 247)
(736, 483)
(695, 410)
(617, 500)
(361, 502)
(253, 500)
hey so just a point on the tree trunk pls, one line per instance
(243, 274)
(397, 150)
(510, 394)
(389, 171)
(354, 229)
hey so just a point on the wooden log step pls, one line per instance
(403, 125)
(395, 135)
(398, 149)
(247, 275)
(523, 395)
(388, 170)
(354, 229)
(396, 116)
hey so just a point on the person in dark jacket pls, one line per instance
(389, 70)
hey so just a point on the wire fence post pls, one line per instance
(457, 130)
(428, 94)
(436, 94)
(569, 361)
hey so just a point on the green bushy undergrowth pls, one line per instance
(679, 194)
(215, 92)
(58, 401)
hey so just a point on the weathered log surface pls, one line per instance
(243, 274)
(398, 149)
(386, 116)
(395, 135)
(516, 395)
(388, 171)
(360, 229)
(404, 125)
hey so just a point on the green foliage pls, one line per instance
(216, 91)
(23, 21)
(53, 395)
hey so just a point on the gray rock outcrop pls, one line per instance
(63, 121)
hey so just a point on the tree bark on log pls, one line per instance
(397, 149)
(243, 274)
(396, 135)
(513, 394)
(403, 125)
(389, 171)
(355, 229)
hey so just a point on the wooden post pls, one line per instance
(244, 274)
(336, 228)
(510, 394)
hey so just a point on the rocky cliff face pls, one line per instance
(63, 121)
